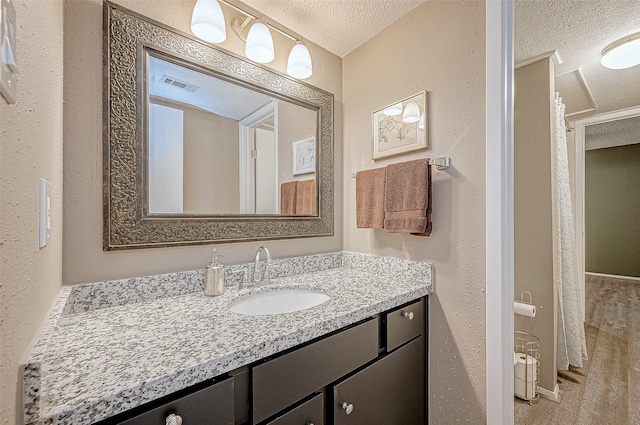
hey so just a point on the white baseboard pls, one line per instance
(614, 276)
(550, 395)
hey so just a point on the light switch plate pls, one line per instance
(45, 212)
(8, 66)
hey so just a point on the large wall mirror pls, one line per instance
(202, 146)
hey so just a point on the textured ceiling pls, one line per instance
(212, 94)
(613, 133)
(339, 26)
(580, 30)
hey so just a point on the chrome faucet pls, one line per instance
(256, 266)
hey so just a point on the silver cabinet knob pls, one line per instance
(348, 407)
(408, 314)
(173, 419)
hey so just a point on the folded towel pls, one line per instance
(407, 205)
(306, 197)
(288, 193)
(370, 198)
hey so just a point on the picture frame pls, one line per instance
(304, 156)
(401, 127)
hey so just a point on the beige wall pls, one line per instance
(84, 259)
(440, 46)
(211, 162)
(533, 212)
(294, 123)
(612, 202)
(30, 148)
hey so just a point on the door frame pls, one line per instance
(580, 144)
(499, 213)
(246, 167)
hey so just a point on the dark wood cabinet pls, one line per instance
(373, 372)
(212, 405)
(391, 391)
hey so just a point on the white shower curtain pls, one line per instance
(572, 347)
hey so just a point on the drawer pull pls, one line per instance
(408, 314)
(348, 407)
(174, 419)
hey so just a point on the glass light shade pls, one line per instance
(207, 21)
(411, 113)
(393, 110)
(259, 46)
(421, 122)
(299, 63)
(624, 53)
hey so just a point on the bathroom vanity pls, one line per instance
(370, 372)
(136, 351)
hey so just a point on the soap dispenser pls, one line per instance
(214, 277)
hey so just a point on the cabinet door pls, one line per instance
(212, 405)
(391, 391)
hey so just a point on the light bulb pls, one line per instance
(624, 53)
(411, 113)
(299, 63)
(393, 110)
(207, 21)
(259, 46)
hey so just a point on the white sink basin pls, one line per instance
(279, 302)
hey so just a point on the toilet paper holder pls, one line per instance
(527, 352)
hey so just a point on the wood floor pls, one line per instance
(606, 390)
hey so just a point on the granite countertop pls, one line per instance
(90, 365)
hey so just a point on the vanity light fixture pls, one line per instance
(207, 21)
(259, 41)
(411, 113)
(259, 47)
(623, 53)
(299, 63)
(394, 110)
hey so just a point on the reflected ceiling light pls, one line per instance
(207, 21)
(411, 113)
(421, 122)
(259, 46)
(393, 110)
(299, 63)
(623, 53)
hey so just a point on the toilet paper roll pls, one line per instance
(526, 367)
(524, 309)
(524, 389)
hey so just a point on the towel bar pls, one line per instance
(441, 163)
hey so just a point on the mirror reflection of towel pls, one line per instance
(288, 192)
(306, 200)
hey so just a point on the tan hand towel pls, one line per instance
(306, 198)
(288, 193)
(408, 198)
(370, 198)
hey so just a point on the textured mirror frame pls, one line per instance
(127, 37)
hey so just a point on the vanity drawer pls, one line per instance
(212, 405)
(284, 380)
(405, 323)
(309, 412)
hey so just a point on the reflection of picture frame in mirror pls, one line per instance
(400, 127)
(304, 156)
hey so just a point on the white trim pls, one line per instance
(499, 212)
(550, 395)
(585, 86)
(553, 54)
(614, 276)
(579, 128)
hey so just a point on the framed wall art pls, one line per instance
(400, 127)
(304, 156)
